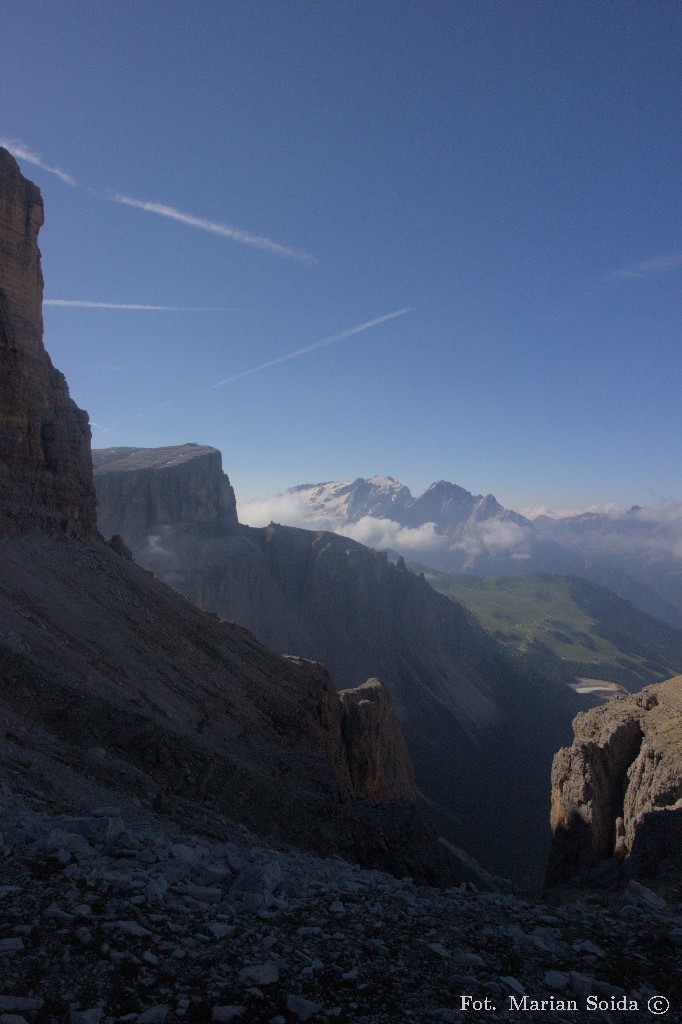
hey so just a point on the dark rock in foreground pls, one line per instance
(109, 914)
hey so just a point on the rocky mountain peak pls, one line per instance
(45, 465)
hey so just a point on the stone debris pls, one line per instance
(186, 929)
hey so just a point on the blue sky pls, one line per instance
(503, 177)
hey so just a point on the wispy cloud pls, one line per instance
(225, 230)
(312, 348)
(22, 152)
(648, 268)
(84, 304)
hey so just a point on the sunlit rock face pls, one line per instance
(45, 464)
(617, 791)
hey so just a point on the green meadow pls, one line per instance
(568, 626)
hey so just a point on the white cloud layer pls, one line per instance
(286, 509)
(495, 536)
(291, 509)
(381, 534)
(651, 533)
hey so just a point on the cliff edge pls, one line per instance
(143, 491)
(45, 462)
(617, 791)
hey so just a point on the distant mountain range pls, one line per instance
(636, 554)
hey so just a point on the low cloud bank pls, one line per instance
(649, 533)
(286, 509)
(495, 536)
(291, 509)
(385, 533)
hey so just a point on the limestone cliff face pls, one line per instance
(359, 732)
(45, 465)
(617, 791)
(143, 490)
(379, 763)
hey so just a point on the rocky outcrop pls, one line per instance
(617, 791)
(45, 464)
(378, 761)
(144, 490)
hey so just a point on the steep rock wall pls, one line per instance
(617, 791)
(142, 491)
(109, 676)
(45, 464)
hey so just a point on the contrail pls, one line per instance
(83, 304)
(236, 234)
(21, 152)
(311, 348)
